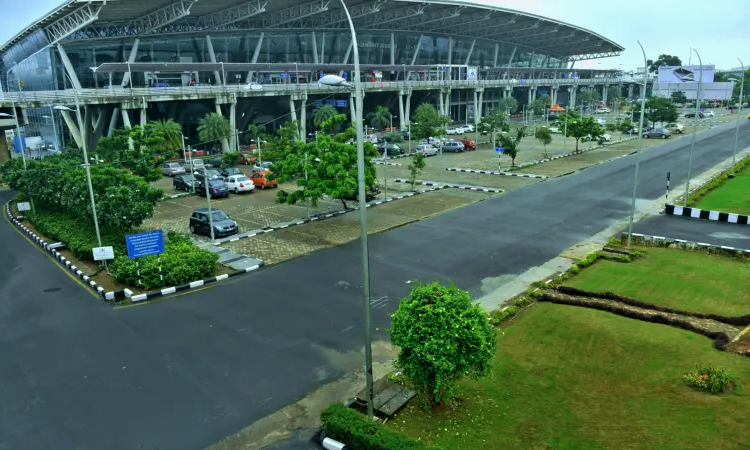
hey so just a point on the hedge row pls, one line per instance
(182, 262)
(741, 321)
(721, 340)
(76, 231)
(358, 432)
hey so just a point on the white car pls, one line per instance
(239, 183)
(708, 114)
(261, 167)
(601, 121)
(555, 130)
(435, 142)
(453, 130)
(371, 138)
(603, 111)
(468, 128)
(426, 150)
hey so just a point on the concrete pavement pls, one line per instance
(186, 372)
(694, 230)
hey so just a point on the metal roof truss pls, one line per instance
(229, 16)
(70, 23)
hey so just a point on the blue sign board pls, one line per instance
(283, 75)
(145, 244)
(317, 103)
(342, 103)
(499, 149)
(331, 103)
(541, 91)
(19, 146)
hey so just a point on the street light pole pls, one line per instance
(637, 153)
(695, 128)
(23, 151)
(362, 217)
(737, 128)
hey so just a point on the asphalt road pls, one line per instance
(705, 231)
(187, 371)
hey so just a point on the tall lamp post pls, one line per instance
(695, 128)
(638, 151)
(362, 216)
(737, 128)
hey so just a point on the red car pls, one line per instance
(469, 144)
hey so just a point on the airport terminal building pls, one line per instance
(137, 60)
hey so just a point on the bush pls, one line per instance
(588, 260)
(497, 316)
(181, 262)
(709, 379)
(574, 269)
(523, 301)
(76, 231)
(357, 431)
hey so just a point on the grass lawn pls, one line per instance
(731, 197)
(573, 378)
(678, 279)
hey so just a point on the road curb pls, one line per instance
(450, 185)
(662, 241)
(704, 214)
(496, 172)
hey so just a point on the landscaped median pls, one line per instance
(573, 369)
(71, 239)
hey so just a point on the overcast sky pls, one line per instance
(662, 27)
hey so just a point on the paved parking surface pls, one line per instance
(705, 231)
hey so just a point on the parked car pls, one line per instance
(210, 173)
(676, 128)
(452, 130)
(230, 171)
(259, 180)
(555, 130)
(171, 169)
(469, 144)
(184, 182)
(603, 111)
(426, 150)
(200, 223)
(216, 188)
(708, 114)
(436, 142)
(393, 149)
(405, 134)
(601, 121)
(239, 183)
(453, 146)
(195, 165)
(468, 128)
(660, 133)
(552, 117)
(692, 115)
(262, 166)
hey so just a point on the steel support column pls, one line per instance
(212, 57)
(497, 53)
(303, 118)
(68, 67)
(401, 118)
(233, 123)
(131, 59)
(254, 60)
(113, 121)
(73, 128)
(315, 49)
(293, 114)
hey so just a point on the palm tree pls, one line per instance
(323, 113)
(380, 118)
(170, 133)
(215, 127)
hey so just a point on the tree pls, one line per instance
(415, 167)
(678, 97)
(658, 109)
(442, 336)
(394, 136)
(169, 133)
(578, 127)
(663, 60)
(614, 95)
(590, 97)
(322, 113)
(428, 122)
(231, 159)
(132, 149)
(215, 127)
(331, 165)
(381, 118)
(508, 105)
(544, 135)
(545, 99)
(510, 144)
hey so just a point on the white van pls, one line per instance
(195, 164)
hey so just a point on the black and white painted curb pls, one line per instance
(496, 172)
(385, 163)
(116, 295)
(450, 185)
(680, 243)
(322, 216)
(695, 213)
(181, 194)
(51, 248)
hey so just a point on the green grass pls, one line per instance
(572, 378)
(678, 279)
(731, 197)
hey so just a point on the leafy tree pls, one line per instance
(255, 132)
(625, 126)
(590, 97)
(442, 336)
(510, 144)
(143, 158)
(331, 164)
(578, 127)
(494, 122)
(544, 135)
(428, 122)
(614, 95)
(545, 99)
(678, 97)
(508, 105)
(394, 136)
(322, 113)
(663, 60)
(231, 159)
(415, 167)
(381, 118)
(215, 127)
(169, 133)
(610, 127)
(658, 109)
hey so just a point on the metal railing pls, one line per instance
(119, 94)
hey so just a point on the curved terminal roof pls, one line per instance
(112, 19)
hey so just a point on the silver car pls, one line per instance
(426, 150)
(171, 169)
(453, 146)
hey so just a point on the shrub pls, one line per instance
(589, 259)
(357, 431)
(523, 301)
(535, 294)
(511, 310)
(709, 379)
(574, 269)
(443, 336)
(76, 231)
(181, 262)
(497, 316)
